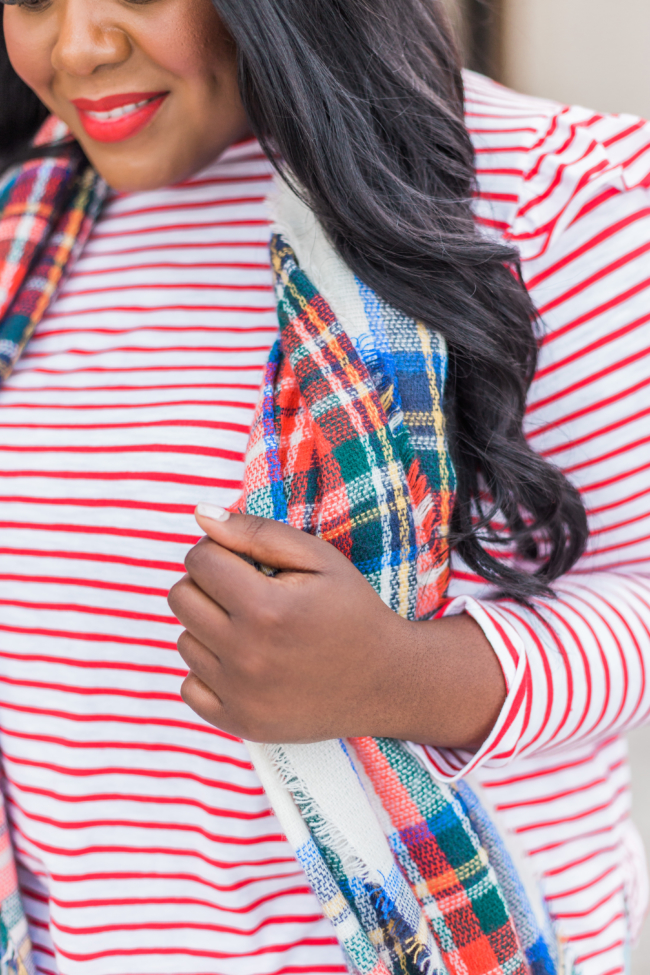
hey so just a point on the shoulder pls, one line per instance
(570, 188)
(542, 167)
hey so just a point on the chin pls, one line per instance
(134, 166)
(124, 184)
(135, 176)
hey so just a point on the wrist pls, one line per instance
(440, 684)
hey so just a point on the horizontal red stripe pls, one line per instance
(102, 718)
(74, 407)
(111, 611)
(154, 851)
(162, 286)
(589, 379)
(117, 214)
(218, 812)
(252, 328)
(72, 878)
(100, 235)
(191, 450)
(128, 309)
(133, 772)
(189, 423)
(592, 882)
(175, 567)
(165, 477)
(173, 266)
(87, 638)
(123, 388)
(196, 952)
(103, 370)
(180, 245)
(84, 582)
(82, 691)
(226, 839)
(104, 744)
(270, 920)
(94, 664)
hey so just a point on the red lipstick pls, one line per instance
(118, 117)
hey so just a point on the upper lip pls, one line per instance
(110, 102)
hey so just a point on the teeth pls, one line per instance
(118, 112)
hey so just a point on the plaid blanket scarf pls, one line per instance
(348, 443)
(47, 209)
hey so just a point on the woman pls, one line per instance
(143, 836)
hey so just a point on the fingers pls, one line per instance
(200, 660)
(223, 576)
(203, 701)
(263, 540)
(197, 612)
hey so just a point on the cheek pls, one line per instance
(29, 46)
(191, 45)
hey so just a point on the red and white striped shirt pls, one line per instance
(571, 189)
(145, 842)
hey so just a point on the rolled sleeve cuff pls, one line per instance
(500, 747)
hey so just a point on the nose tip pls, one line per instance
(83, 45)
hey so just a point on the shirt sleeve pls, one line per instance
(576, 665)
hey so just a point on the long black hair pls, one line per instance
(363, 101)
(21, 111)
(21, 115)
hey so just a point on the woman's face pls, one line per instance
(148, 87)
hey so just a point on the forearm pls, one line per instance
(444, 685)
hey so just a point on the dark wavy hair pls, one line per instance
(363, 102)
(21, 116)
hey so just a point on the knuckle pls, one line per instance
(251, 728)
(192, 558)
(269, 614)
(184, 643)
(189, 694)
(234, 717)
(253, 667)
(255, 527)
(177, 593)
(197, 555)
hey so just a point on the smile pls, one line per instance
(118, 117)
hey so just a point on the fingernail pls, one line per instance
(212, 511)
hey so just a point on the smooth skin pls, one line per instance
(69, 49)
(312, 652)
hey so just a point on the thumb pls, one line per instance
(262, 539)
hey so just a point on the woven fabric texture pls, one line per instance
(15, 945)
(47, 209)
(348, 443)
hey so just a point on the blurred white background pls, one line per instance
(640, 760)
(594, 53)
(590, 52)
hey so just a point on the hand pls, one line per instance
(313, 653)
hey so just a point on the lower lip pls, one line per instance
(117, 129)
